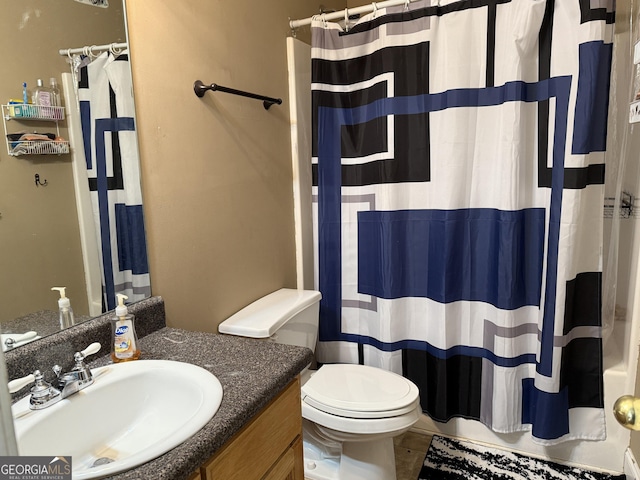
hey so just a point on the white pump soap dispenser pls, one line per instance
(64, 306)
(124, 344)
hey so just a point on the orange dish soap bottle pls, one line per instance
(124, 342)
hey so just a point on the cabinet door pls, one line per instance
(259, 446)
(290, 466)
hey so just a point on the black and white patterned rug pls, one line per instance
(449, 459)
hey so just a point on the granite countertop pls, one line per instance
(252, 373)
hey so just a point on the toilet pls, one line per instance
(350, 412)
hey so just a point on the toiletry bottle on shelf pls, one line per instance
(26, 95)
(41, 95)
(64, 306)
(124, 343)
(55, 92)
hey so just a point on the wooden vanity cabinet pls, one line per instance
(269, 447)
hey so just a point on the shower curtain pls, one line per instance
(105, 94)
(458, 170)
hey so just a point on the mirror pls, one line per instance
(40, 239)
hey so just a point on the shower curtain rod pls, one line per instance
(349, 11)
(93, 49)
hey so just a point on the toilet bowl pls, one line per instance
(361, 408)
(350, 412)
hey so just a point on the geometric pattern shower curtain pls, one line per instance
(110, 143)
(458, 172)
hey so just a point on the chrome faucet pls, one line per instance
(43, 394)
(80, 375)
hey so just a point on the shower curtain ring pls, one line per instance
(406, 4)
(375, 9)
(293, 30)
(346, 19)
(114, 51)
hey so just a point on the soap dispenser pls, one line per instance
(124, 344)
(64, 306)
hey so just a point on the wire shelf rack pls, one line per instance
(21, 111)
(39, 147)
(21, 143)
(626, 209)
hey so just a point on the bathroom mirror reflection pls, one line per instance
(49, 233)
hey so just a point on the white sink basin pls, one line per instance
(133, 413)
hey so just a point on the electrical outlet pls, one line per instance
(634, 112)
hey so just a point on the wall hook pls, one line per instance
(38, 182)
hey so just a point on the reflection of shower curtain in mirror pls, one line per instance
(108, 128)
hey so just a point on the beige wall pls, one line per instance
(39, 237)
(217, 181)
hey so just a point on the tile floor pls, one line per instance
(410, 449)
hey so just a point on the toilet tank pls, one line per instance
(286, 316)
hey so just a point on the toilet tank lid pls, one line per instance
(262, 318)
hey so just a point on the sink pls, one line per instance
(133, 413)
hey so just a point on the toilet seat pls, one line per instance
(361, 427)
(359, 392)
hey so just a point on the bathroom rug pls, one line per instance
(449, 459)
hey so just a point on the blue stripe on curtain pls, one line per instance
(590, 124)
(551, 408)
(458, 350)
(442, 255)
(330, 121)
(132, 245)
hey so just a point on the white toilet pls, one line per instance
(350, 412)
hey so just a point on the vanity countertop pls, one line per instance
(252, 372)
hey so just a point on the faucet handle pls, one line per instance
(11, 341)
(20, 383)
(81, 371)
(90, 350)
